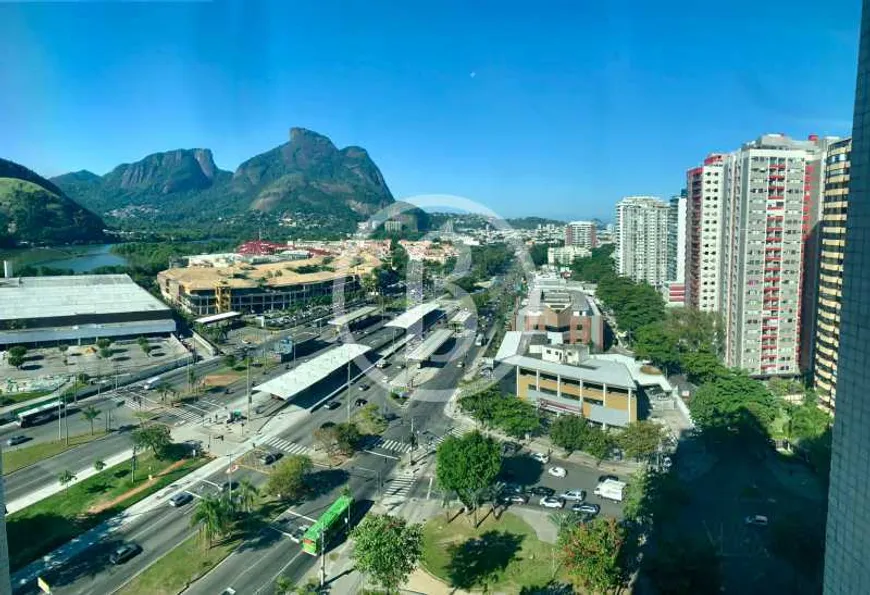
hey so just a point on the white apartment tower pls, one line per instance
(769, 187)
(580, 233)
(642, 239)
(705, 188)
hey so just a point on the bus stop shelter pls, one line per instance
(306, 375)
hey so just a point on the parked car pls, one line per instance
(574, 495)
(514, 498)
(229, 485)
(363, 387)
(332, 405)
(758, 520)
(541, 491)
(268, 458)
(584, 508)
(510, 448)
(557, 471)
(180, 499)
(602, 478)
(360, 403)
(541, 457)
(15, 440)
(124, 553)
(551, 502)
(511, 488)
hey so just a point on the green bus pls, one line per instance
(330, 523)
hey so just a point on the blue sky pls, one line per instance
(531, 108)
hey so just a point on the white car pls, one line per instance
(542, 458)
(557, 471)
(758, 520)
(551, 502)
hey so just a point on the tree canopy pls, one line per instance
(386, 549)
(506, 412)
(468, 465)
(593, 554)
(734, 405)
(595, 267)
(685, 567)
(633, 304)
(289, 477)
(640, 439)
(156, 437)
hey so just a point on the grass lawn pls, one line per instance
(504, 555)
(185, 563)
(13, 398)
(48, 524)
(28, 455)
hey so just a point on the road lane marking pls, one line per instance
(380, 454)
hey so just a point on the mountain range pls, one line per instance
(33, 210)
(307, 179)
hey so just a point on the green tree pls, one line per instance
(657, 344)
(103, 343)
(468, 465)
(15, 356)
(105, 352)
(538, 254)
(347, 438)
(592, 555)
(685, 567)
(230, 360)
(91, 414)
(595, 267)
(569, 432)
(694, 330)
(597, 443)
(702, 366)
(517, 417)
(156, 437)
(386, 549)
(65, 478)
(289, 478)
(246, 495)
(640, 439)
(213, 516)
(807, 422)
(734, 405)
(99, 465)
(372, 420)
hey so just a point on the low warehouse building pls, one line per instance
(78, 308)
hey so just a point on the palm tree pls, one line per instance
(212, 516)
(65, 478)
(99, 465)
(246, 495)
(91, 413)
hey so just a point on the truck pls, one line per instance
(610, 489)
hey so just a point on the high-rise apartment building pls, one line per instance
(705, 186)
(642, 239)
(847, 541)
(675, 290)
(580, 233)
(832, 238)
(769, 190)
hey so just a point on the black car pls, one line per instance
(542, 491)
(332, 405)
(229, 486)
(180, 499)
(514, 498)
(15, 440)
(602, 478)
(510, 448)
(124, 553)
(360, 403)
(268, 458)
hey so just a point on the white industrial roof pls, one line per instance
(600, 371)
(430, 345)
(412, 316)
(87, 331)
(350, 317)
(313, 371)
(217, 317)
(72, 295)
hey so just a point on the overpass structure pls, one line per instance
(430, 345)
(351, 317)
(307, 374)
(413, 316)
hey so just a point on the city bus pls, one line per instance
(331, 523)
(40, 413)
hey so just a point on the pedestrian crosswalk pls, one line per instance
(458, 432)
(394, 445)
(289, 447)
(399, 487)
